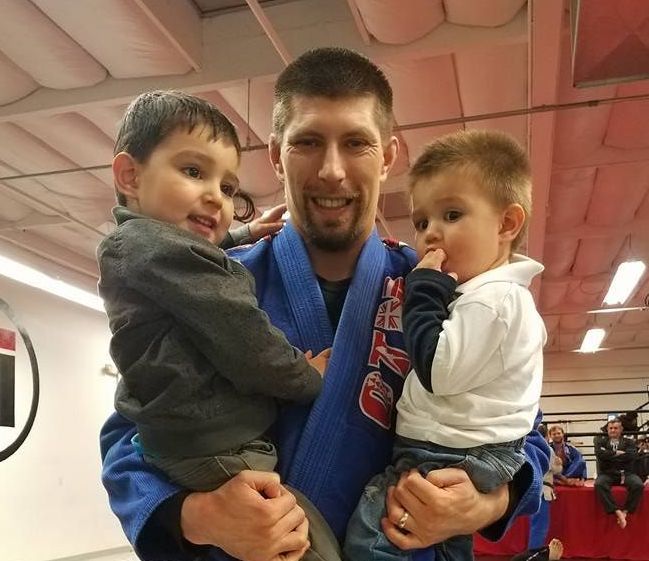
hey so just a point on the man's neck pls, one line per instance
(335, 265)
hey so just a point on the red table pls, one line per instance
(578, 520)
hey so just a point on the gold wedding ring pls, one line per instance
(402, 521)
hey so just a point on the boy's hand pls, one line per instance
(435, 260)
(268, 223)
(319, 362)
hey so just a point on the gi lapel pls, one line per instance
(325, 425)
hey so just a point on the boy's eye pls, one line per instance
(228, 189)
(192, 171)
(421, 225)
(452, 215)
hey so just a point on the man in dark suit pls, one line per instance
(615, 461)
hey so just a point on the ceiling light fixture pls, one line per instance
(626, 278)
(617, 310)
(32, 277)
(592, 341)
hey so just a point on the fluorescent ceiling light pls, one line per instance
(617, 310)
(592, 340)
(32, 277)
(625, 280)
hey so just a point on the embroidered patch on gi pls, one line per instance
(377, 400)
(394, 358)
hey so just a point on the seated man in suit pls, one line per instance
(615, 461)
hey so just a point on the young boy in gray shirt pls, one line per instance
(202, 366)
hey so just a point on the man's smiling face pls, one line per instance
(332, 160)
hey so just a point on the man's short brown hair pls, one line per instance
(333, 73)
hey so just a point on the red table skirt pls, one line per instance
(578, 520)
(514, 541)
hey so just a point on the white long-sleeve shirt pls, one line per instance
(488, 366)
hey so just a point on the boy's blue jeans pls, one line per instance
(488, 466)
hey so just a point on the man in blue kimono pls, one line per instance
(326, 280)
(573, 463)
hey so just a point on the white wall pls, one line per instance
(607, 371)
(52, 504)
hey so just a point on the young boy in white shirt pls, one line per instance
(473, 334)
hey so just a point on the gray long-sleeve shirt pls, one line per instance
(201, 364)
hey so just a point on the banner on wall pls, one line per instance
(19, 382)
(7, 377)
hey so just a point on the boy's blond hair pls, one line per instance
(497, 160)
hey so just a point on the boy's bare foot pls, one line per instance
(621, 518)
(555, 550)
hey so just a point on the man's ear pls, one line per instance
(275, 153)
(390, 153)
(512, 221)
(125, 169)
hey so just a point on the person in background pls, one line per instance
(326, 279)
(574, 465)
(616, 457)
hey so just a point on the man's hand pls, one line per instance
(320, 361)
(252, 517)
(434, 260)
(443, 505)
(268, 223)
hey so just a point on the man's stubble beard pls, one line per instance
(328, 237)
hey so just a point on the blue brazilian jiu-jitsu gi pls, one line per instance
(330, 450)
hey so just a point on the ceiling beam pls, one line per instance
(545, 19)
(52, 252)
(358, 20)
(235, 49)
(33, 220)
(36, 204)
(638, 226)
(608, 156)
(270, 31)
(180, 22)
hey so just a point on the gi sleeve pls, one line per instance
(136, 491)
(526, 489)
